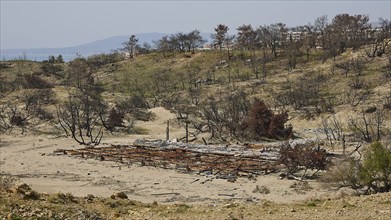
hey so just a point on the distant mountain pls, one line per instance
(100, 46)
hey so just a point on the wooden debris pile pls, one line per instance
(227, 162)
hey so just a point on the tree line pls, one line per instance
(344, 31)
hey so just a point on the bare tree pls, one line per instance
(355, 66)
(304, 94)
(12, 115)
(276, 35)
(263, 39)
(333, 128)
(387, 100)
(220, 36)
(345, 31)
(293, 45)
(350, 29)
(4, 123)
(250, 40)
(308, 37)
(228, 41)
(355, 96)
(194, 40)
(19, 117)
(320, 25)
(130, 46)
(27, 110)
(163, 45)
(368, 126)
(246, 37)
(79, 117)
(378, 39)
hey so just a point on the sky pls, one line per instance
(55, 23)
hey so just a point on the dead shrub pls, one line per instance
(7, 182)
(115, 119)
(135, 106)
(36, 82)
(387, 101)
(261, 189)
(301, 187)
(262, 122)
(303, 157)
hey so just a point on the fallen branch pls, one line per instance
(163, 194)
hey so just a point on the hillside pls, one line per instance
(341, 105)
(348, 89)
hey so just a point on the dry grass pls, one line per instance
(60, 206)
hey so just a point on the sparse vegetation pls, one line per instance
(261, 189)
(7, 182)
(301, 187)
(252, 88)
(370, 175)
(61, 206)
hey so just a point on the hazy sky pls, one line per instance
(36, 24)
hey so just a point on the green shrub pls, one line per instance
(372, 174)
(376, 168)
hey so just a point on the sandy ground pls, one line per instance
(31, 159)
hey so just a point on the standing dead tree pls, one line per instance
(368, 126)
(333, 129)
(4, 125)
(378, 39)
(81, 115)
(81, 119)
(11, 115)
(30, 109)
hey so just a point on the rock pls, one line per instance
(121, 195)
(229, 205)
(23, 188)
(134, 213)
(293, 210)
(90, 198)
(371, 109)
(343, 192)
